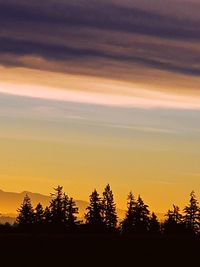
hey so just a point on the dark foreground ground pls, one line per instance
(97, 250)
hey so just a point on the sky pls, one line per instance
(101, 91)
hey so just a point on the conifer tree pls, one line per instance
(177, 216)
(62, 209)
(65, 204)
(109, 208)
(192, 214)
(154, 225)
(141, 216)
(72, 210)
(127, 225)
(47, 215)
(94, 216)
(58, 215)
(137, 216)
(39, 214)
(26, 213)
(174, 223)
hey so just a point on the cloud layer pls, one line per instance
(82, 33)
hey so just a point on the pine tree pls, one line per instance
(62, 210)
(174, 223)
(65, 204)
(177, 216)
(94, 216)
(154, 225)
(127, 225)
(109, 208)
(47, 215)
(72, 210)
(39, 214)
(141, 216)
(192, 214)
(58, 212)
(26, 213)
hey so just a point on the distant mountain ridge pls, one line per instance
(11, 201)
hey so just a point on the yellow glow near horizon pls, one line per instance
(43, 147)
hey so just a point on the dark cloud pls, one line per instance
(63, 53)
(66, 31)
(102, 15)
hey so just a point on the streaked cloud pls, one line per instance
(154, 43)
(140, 98)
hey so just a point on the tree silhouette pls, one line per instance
(192, 214)
(94, 216)
(58, 211)
(137, 216)
(141, 216)
(174, 222)
(26, 213)
(154, 225)
(72, 210)
(47, 215)
(39, 214)
(109, 208)
(128, 223)
(64, 208)
(61, 214)
(175, 215)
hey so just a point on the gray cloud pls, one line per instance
(115, 31)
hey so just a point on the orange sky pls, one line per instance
(131, 136)
(87, 100)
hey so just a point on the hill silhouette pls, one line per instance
(10, 201)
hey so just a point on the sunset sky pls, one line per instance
(98, 91)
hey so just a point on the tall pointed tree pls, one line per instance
(137, 216)
(26, 213)
(141, 216)
(94, 216)
(154, 225)
(109, 208)
(173, 223)
(127, 225)
(64, 206)
(72, 211)
(192, 214)
(39, 214)
(47, 215)
(58, 215)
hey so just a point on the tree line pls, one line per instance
(101, 216)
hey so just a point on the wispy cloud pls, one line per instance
(142, 128)
(92, 35)
(145, 45)
(139, 97)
